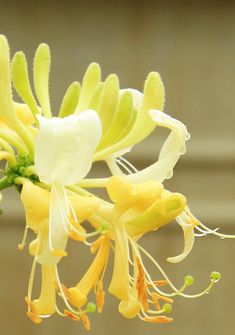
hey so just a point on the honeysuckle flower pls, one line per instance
(48, 158)
(36, 203)
(59, 146)
(137, 209)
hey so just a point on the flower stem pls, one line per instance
(4, 183)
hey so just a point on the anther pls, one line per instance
(71, 315)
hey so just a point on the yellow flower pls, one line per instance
(36, 203)
(137, 210)
(48, 159)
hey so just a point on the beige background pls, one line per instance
(192, 45)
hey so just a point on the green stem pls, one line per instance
(4, 183)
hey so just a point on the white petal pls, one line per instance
(58, 225)
(188, 230)
(65, 146)
(172, 149)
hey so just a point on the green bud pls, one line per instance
(91, 307)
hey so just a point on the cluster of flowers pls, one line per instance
(48, 159)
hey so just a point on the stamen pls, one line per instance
(71, 315)
(159, 283)
(122, 164)
(128, 163)
(204, 232)
(86, 322)
(156, 297)
(141, 286)
(158, 319)
(214, 232)
(62, 290)
(113, 166)
(32, 311)
(100, 296)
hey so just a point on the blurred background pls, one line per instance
(192, 45)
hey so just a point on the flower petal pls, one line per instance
(58, 227)
(188, 229)
(65, 146)
(172, 149)
(143, 125)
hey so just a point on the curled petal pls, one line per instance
(172, 149)
(188, 230)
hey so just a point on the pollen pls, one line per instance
(141, 286)
(100, 296)
(160, 283)
(156, 297)
(71, 315)
(158, 319)
(86, 321)
(32, 312)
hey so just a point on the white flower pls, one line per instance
(64, 148)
